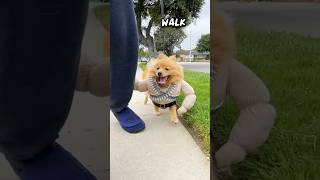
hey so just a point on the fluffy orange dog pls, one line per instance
(163, 81)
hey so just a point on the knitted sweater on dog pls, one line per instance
(166, 95)
(161, 95)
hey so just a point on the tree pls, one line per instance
(166, 39)
(203, 44)
(150, 10)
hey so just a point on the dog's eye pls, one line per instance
(167, 69)
(158, 68)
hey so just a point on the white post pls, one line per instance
(190, 47)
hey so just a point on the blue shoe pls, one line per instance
(55, 163)
(129, 121)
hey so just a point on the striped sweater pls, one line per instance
(167, 95)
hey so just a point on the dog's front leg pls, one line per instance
(156, 110)
(173, 114)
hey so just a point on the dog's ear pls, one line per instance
(173, 58)
(162, 55)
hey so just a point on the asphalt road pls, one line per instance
(199, 67)
(301, 18)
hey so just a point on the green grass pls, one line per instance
(197, 120)
(289, 64)
(143, 66)
(103, 14)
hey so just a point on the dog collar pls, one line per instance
(164, 106)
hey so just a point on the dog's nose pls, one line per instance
(159, 73)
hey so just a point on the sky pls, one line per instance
(199, 27)
(194, 31)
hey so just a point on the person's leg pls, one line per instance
(123, 63)
(40, 43)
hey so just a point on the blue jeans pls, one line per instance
(124, 53)
(40, 44)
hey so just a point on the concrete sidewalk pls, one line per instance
(163, 151)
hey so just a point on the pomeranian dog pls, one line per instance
(167, 72)
(163, 81)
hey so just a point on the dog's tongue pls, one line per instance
(162, 80)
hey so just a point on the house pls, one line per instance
(192, 55)
(200, 55)
(183, 55)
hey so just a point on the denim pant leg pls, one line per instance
(124, 53)
(40, 44)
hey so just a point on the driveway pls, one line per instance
(300, 18)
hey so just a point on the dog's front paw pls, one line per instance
(175, 120)
(157, 113)
(181, 111)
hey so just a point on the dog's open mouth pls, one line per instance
(162, 80)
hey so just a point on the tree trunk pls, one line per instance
(151, 47)
(162, 8)
(146, 40)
